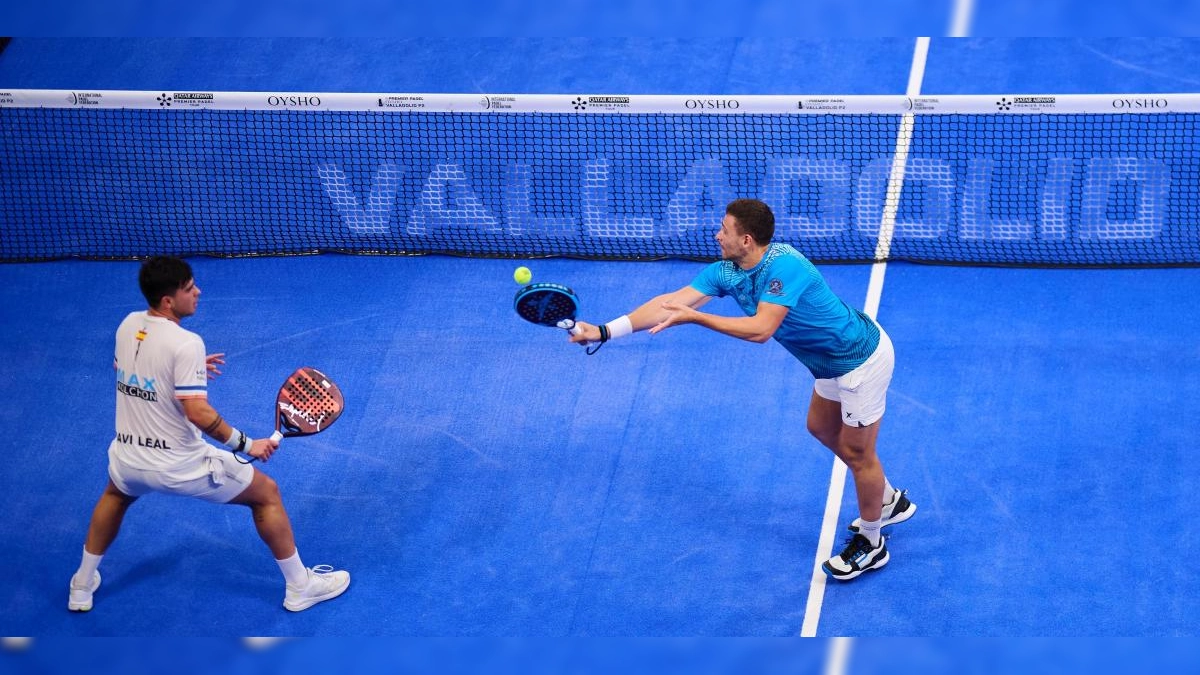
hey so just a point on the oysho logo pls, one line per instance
(712, 104)
(294, 101)
(1139, 103)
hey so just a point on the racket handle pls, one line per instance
(277, 436)
(570, 326)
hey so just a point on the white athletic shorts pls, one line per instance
(863, 391)
(217, 477)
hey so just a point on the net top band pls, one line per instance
(1016, 104)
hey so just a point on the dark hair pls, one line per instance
(161, 276)
(753, 218)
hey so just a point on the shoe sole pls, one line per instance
(908, 513)
(852, 575)
(79, 607)
(309, 602)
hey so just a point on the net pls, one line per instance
(963, 180)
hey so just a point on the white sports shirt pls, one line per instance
(157, 363)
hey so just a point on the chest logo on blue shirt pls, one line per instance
(775, 287)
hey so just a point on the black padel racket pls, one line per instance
(549, 304)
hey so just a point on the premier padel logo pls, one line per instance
(1027, 103)
(165, 100)
(600, 102)
(403, 102)
(191, 99)
(775, 287)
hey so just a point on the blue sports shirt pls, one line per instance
(827, 335)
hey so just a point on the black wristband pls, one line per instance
(603, 333)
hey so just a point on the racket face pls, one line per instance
(308, 402)
(546, 304)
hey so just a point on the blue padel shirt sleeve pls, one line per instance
(828, 336)
(708, 281)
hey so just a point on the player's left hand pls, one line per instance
(212, 361)
(677, 314)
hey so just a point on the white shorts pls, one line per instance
(863, 391)
(217, 477)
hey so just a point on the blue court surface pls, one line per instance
(489, 479)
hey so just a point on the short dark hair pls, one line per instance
(161, 276)
(754, 218)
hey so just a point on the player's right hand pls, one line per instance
(587, 333)
(263, 448)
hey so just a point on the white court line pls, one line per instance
(837, 479)
(964, 14)
(838, 658)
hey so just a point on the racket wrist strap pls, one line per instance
(238, 441)
(619, 327)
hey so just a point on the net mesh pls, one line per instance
(1044, 189)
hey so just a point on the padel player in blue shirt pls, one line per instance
(784, 297)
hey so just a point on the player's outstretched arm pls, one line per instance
(654, 311)
(649, 314)
(759, 327)
(205, 418)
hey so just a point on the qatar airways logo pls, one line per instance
(1139, 103)
(293, 101)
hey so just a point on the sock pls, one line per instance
(889, 492)
(87, 566)
(870, 530)
(293, 570)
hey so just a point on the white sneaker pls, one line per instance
(323, 584)
(858, 557)
(898, 510)
(80, 599)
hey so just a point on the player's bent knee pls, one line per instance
(828, 437)
(111, 490)
(263, 491)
